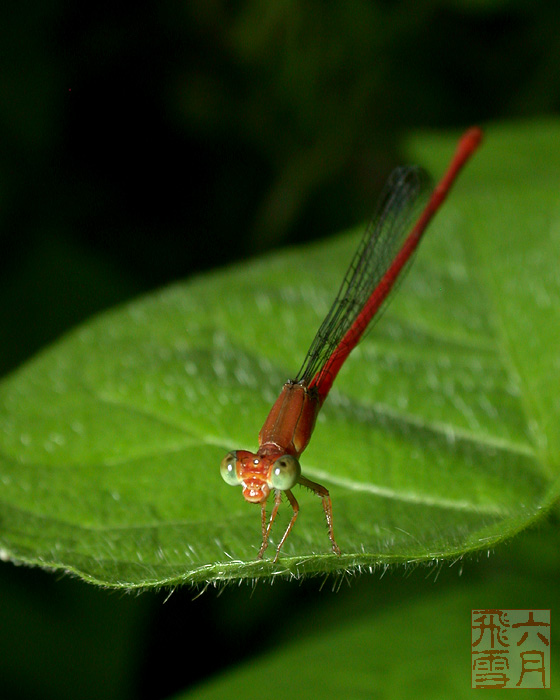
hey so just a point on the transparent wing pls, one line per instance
(402, 198)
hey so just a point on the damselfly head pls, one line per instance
(260, 473)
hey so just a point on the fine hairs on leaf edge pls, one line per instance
(338, 575)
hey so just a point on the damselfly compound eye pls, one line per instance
(228, 469)
(285, 473)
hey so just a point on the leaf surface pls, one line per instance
(439, 437)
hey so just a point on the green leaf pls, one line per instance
(439, 437)
(389, 643)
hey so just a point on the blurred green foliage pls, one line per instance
(150, 140)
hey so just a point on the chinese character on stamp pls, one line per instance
(510, 648)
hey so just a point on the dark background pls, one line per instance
(142, 142)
